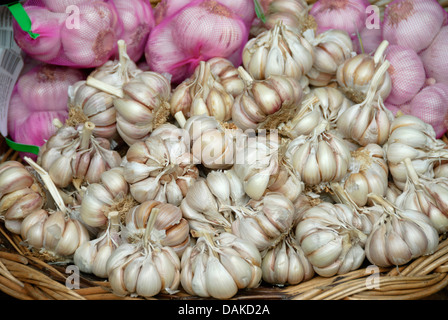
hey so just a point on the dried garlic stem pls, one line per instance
(86, 134)
(179, 116)
(49, 184)
(379, 53)
(105, 87)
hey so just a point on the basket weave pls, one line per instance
(24, 276)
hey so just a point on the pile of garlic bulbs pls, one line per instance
(269, 173)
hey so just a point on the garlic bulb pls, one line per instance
(73, 153)
(144, 268)
(143, 107)
(329, 239)
(320, 104)
(266, 103)
(109, 195)
(331, 49)
(412, 138)
(369, 173)
(202, 94)
(280, 51)
(218, 267)
(86, 103)
(260, 170)
(20, 194)
(54, 233)
(170, 228)
(293, 13)
(207, 204)
(265, 222)
(227, 74)
(91, 256)
(161, 167)
(286, 264)
(369, 121)
(212, 144)
(425, 195)
(320, 157)
(400, 236)
(356, 73)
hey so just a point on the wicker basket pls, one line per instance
(24, 276)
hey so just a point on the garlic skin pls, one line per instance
(411, 138)
(280, 51)
(143, 107)
(400, 236)
(220, 266)
(54, 233)
(286, 264)
(170, 228)
(73, 153)
(320, 104)
(20, 195)
(355, 74)
(369, 173)
(260, 171)
(266, 103)
(161, 167)
(329, 239)
(139, 270)
(107, 196)
(91, 256)
(320, 157)
(265, 222)
(331, 49)
(202, 94)
(87, 103)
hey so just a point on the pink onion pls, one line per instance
(137, 21)
(347, 15)
(244, 8)
(39, 96)
(413, 23)
(431, 106)
(435, 57)
(407, 74)
(89, 44)
(200, 31)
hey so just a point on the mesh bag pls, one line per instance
(64, 40)
(431, 106)
(435, 57)
(137, 20)
(413, 23)
(244, 8)
(201, 30)
(39, 96)
(407, 74)
(347, 15)
(371, 39)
